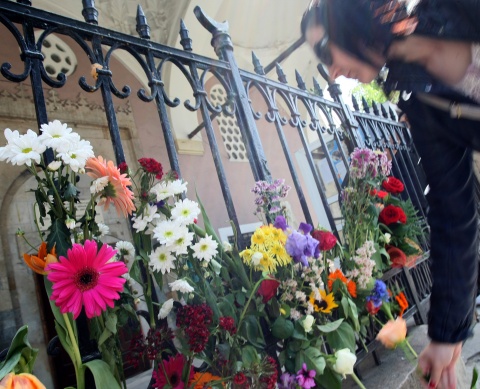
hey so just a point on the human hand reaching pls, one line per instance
(437, 365)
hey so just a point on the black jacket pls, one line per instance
(445, 145)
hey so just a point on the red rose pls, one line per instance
(371, 308)
(268, 289)
(397, 257)
(393, 185)
(123, 167)
(392, 214)
(382, 194)
(326, 238)
(239, 378)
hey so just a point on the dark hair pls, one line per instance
(358, 26)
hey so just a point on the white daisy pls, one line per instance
(181, 286)
(185, 211)
(55, 134)
(166, 232)
(182, 242)
(103, 229)
(21, 149)
(162, 260)
(165, 310)
(70, 223)
(162, 191)
(205, 249)
(76, 152)
(149, 215)
(177, 187)
(98, 185)
(125, 249)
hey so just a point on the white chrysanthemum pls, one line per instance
(165, 310)
(166, 232)
(185, 211)
(180, 286)
(162, 191)
(155, 222)
(103, 229)
(76, 152)
(227, 247)
(182, 242)
(21, 149)
(55, 165)
(294, 314)
(177, 187)
(98, 185)
(125, 249)
(149, 215)
(205, 249)
(161, 259)
(55, 135)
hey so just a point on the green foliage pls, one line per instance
(21, 355)
(373, 92)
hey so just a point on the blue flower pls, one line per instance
(379, 294)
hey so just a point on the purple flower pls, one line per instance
(305, 228)
(287, 381)
(274, 209)
(280, 222)
(300, 247)
(379, 294)
(305, 377)
(363, 163)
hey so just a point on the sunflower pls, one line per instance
(86, 278)
(114, 189)
(38, 262)
(325, 305)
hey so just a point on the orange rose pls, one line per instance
(393, 333)
(21, 381)
(39, 262)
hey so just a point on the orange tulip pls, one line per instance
(201, 380)
(393, 333)
(39, 262)
(21, 381)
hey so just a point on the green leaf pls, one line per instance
(249, 356)
(104, 336)
(354, 315)
(343, 337)
(313, 358)
(344, 303)
(55, 310)
(71, 192)
(111, 323)
(19, 348)
(282, 328)
(473, 385)
(329, 327)
(251, 331)
(59, 236)
(40, 199)
(102, 374)
(329, 379)
(135, 272)
(206, 221)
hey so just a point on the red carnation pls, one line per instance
(123, 167)
(392, 214)
(393, 185)
(239, 378)
(326, 238)
(228, 324)
(397, 256)
(371, 308)
(152, 166)
(268, 289)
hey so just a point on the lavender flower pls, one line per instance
(300, 247)
(280, 222)
(287, 381)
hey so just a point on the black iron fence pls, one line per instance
(312, 117)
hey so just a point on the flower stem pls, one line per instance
(357, 381)
(255, 287)
(409, 346)
(77, 362)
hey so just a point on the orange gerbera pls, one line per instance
(402, 302)
(338, 275)
(39, 262)
(201, 380)
(115, 190)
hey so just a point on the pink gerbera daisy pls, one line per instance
(115, 188)
(85, 278)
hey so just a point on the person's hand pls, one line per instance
(437, 365)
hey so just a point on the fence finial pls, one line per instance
(185, 39)
(317, 89)
(393, 115)
(280, 73)
(355, 103)
(300, 82)
(384, 111)
(89, 12)
(257, 66)
(26, 2)
(365, 106)
(143, 28)
(219, 31)
(376, 111)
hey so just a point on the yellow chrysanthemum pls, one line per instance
(258, 238)
(279, 235)
(326, 304)
(281, 255)
(246, 255)
(267, 263)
